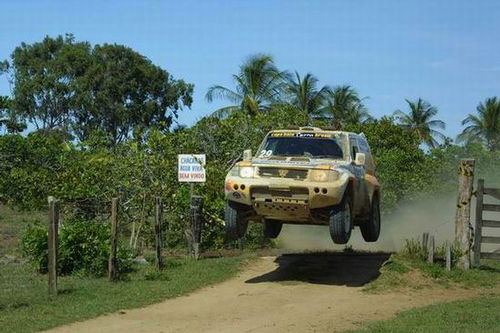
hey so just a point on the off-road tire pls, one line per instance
(341, 221)
(236, 224)
(370, 229)
(271, 228)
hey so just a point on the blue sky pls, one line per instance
(446, 52)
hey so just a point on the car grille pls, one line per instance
(299, 174)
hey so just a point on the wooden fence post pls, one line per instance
(196, 208)
(448, 257)
(479, 222)
(112, 268)
(158, 217)
(431, 249)
(425, 240)
(462, 218)
(53, 244)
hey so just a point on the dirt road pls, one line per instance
(290, 293)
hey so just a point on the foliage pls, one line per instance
(8, 119)
(258, 84)
(344, 107)
(419, 120)
(122, 92)
(485, 126)
(85, 176)
(304, 94)
(111, 89)
(83, 248)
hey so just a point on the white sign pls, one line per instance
(192, 168)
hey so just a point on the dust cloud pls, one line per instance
(409, 220)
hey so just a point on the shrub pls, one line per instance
(83, 248)
(413, 248)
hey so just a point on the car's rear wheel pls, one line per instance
(370, 229)
(236, 224)
(272, 228)
(340, 221)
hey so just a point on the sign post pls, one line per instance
(192, 170)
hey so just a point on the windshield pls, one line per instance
(313, 145)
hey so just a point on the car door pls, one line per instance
(359, 174)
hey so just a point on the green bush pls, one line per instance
(84, 248)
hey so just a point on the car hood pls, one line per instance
(305, 162)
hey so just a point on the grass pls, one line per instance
(404, 271)
(11, 224)
(479, 315)
(26, 307)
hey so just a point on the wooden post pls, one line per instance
(53, 244)
(462, 219)
(158, 215)
(431, 249)
(241, 243)
(448, 257)
(196, 208)
(112, 268)
(425, 240)
(479, 222)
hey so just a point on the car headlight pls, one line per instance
(247, 172)
(319, 175)
(324, 175)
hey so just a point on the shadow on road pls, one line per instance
(330, 268)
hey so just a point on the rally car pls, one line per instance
(306, 176)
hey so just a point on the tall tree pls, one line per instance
(305, 95)
(70, 86)
(343, 107)
(258, 84)
(123, 93)
(44, 75)
(419, 120)
(485, 126)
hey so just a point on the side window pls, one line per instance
(363, 146)
(354, 147)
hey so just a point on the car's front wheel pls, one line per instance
(236, 223)
(340, 221)
(370, 229)
(272, 228)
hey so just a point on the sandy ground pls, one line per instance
(289, 293)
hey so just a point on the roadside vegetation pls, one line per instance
(478, 315)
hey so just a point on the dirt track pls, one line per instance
(291, 293)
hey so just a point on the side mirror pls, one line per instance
(247, 155)
(360, 159)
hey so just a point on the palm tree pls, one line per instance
(485, 126)
(304, 94)
(343, 106)
(258, 84)
(419, 120)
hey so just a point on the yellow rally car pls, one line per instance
(305, 176)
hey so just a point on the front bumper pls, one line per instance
(285, 198)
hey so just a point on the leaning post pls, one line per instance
(462, 217)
